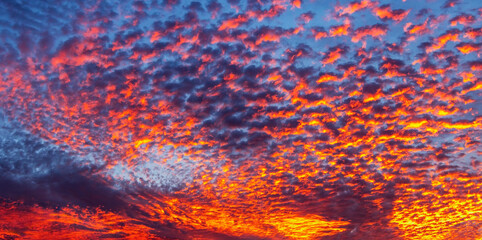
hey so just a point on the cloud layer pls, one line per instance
(258, 119)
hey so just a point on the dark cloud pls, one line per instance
(34, 171)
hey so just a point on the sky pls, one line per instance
(241, 120)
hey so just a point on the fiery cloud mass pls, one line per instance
(241, 119)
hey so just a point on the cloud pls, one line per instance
(241, 120)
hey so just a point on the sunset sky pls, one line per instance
(241, 119)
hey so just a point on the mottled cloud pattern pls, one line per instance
(256, 119)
